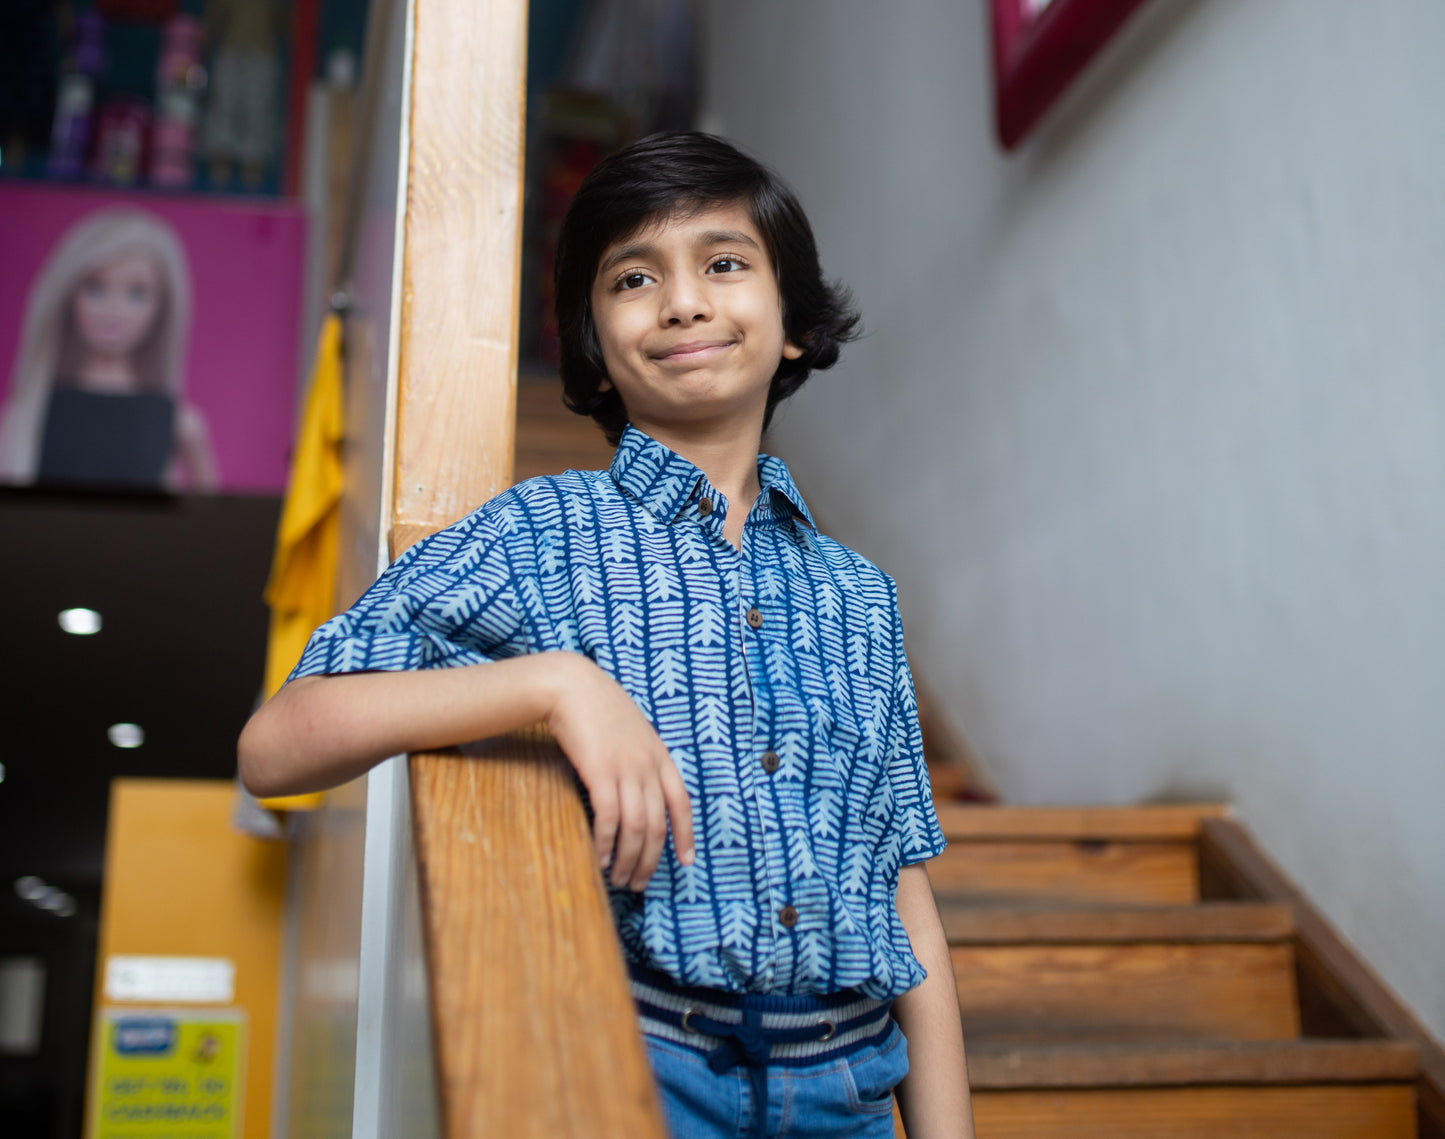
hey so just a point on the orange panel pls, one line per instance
(181, 881)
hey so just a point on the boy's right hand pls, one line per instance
(634, 785)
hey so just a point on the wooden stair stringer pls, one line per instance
(1339, 991)
(1100, 1000)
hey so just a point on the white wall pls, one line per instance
(1150, 425)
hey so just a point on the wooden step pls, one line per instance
(1158, 873)
(1142, 855)
(1303, 1089)
(1101, 999)
(1172, 823)
(1314, 1111)
(971, 924)
(1127, 991)
(1004, 1067)
(1340, 994)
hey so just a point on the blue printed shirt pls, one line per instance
(775, 675)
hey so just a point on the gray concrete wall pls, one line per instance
(1150, 423)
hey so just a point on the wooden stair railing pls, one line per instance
(534, 1030)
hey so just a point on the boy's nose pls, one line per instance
(684, 302)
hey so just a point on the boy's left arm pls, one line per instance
(933, 1098)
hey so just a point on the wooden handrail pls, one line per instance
(535, 1032)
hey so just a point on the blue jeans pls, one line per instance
(848, 1097)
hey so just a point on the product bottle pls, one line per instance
(179, 80)
(122, 129)
(75, 100)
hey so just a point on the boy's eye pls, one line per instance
(725, 265)
(633, 281)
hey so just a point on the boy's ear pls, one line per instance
(604, 385)
(790, 350)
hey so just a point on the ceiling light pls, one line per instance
(81, 622)
(2, 773)
(57, 901)
(34, 890)
(126, 735)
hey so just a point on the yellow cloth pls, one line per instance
(303, 570)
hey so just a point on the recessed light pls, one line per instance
(57, 902)
(2, 773)
(34, 890)
(126, 735)
(81, 622)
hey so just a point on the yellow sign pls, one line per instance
(168, 1074)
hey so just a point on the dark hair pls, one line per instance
(679, 173)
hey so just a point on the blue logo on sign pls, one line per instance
(145, 1037)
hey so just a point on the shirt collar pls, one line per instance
(664, 482)
(774, 475)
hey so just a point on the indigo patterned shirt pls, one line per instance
(774, 675)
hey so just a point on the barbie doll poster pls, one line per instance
(149, 342)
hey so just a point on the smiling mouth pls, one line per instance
(696, 350)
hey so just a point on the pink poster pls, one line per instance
(147, 342)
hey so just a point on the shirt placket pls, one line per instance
(762, 621)
(740, 588)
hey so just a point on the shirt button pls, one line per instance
(704, 506)
(755, 618)
(788, 916)
(770, 761)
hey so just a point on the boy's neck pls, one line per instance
(729, 459)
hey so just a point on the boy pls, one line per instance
(703, 657)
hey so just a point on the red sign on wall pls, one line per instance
(1039, 48)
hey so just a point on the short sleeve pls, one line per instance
(916, 819)
(449, 600)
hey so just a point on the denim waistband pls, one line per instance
(792, 1030)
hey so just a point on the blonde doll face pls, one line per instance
(116, 305)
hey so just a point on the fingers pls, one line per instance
(604, 821)
(679, 811)
(640, 821)
(631, 832)
(655, 816)
(634, 786)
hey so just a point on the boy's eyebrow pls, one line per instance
(637, 250)
(642, 250)
(726, 237)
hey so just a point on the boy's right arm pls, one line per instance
(320, 731)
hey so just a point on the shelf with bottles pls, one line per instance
(179, 96)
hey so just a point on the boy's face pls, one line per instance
(690, 322)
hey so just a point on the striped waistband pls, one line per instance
(798, 1030)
